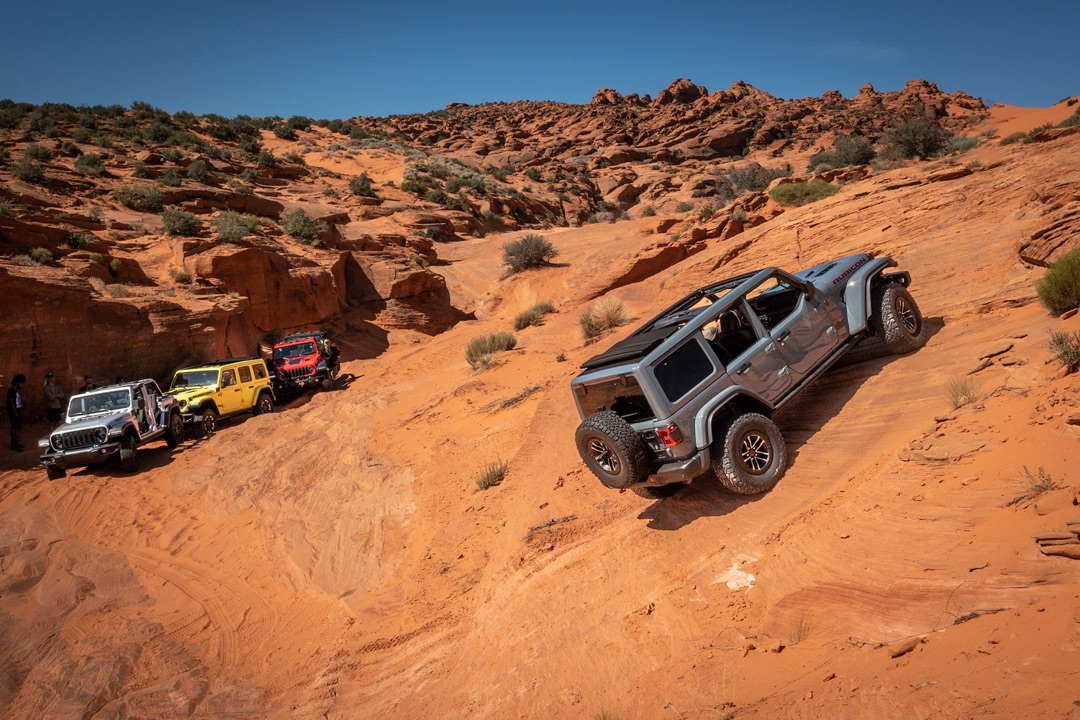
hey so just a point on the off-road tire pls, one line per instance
(657, 492)
(55, 472)
(174, 431)
(897, 317)
(748, 454)
(264, 404)
(209, 421)
(129, 453)
(612, 450)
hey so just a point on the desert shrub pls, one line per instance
(266, 159)
(531, 251)
(481, 349)
(198, 171)
(170, 178)
(603, 315)
(1066, 347)
(684, 207)
(533, 316)
(75, 240)
(37, 153)
(705, 212)
(299, 122)
(915, 137)
(90, 164)
(140, 170)
(145, 199)
(754, 177)
(361, 186)
(961, 390)
(648, 211)
(180, 222)
(41, 255)
(960, 144)
(158, 131)
(294, 157)
(238, 187)
(1059, 289)
(491, 475)
(7, 208)
(847, 151)
(301, 226)
(114, 266)
(28, 171)
(285, 132)
(802, 193)
(180, 277)
(117, 290)
(232, 226)
(1071, 121)
(71, 149)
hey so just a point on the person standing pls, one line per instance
(15, 410)
(54, 399)
(88, 384)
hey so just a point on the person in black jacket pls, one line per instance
(15, 410)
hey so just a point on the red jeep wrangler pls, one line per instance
(304, 359)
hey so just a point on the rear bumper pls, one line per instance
(680, 471)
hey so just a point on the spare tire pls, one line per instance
(612, 450)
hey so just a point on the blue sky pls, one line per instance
(343, 59)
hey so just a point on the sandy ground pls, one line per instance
(335, 559)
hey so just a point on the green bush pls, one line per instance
(684, 207)
(170, 178)
(648, 211)
(361, 186)
(481, 349)
(90, 164)
(140, 170)
(1072, 120)
(754, 177)
(802, 193)
(604, 314)
(285, 132)
(144, 199)
(28, 171)
(114, 266)
(1059, 289)
(915, 137)
(181, 277)
(7, 208)
(529, 252)
(37, 153)
(232, 226)
(960, 144)
(1014, 138)
(198, 171)
(179, 222)
(533, 316)
(41, 255)
(847, 151)
(301, 226)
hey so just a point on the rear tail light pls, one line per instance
(670, 435)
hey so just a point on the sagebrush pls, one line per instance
(481, 349)
(1059, 289)
(531, 251)
(603, 315)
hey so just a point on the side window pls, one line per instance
(260, 370)
(245, 374)
(774, 299)
(228, 377)
(682, 371)
(731, 334)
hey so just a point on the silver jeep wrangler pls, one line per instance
(109, 421)
(696, 387)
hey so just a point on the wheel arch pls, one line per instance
(725, 406)
(857, 293)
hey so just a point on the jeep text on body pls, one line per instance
(697, 386)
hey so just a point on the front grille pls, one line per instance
(77, 439)
(294, 373)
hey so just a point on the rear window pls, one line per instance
(245, 374)
(683, 370)
(622, 395)
(260, 370)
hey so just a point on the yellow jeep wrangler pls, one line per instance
(221, 389)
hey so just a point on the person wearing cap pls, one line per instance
(15, 410)
(54, 399)
(88, 384)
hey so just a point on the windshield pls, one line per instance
(291, 351)
(108, 401)
(194, 378)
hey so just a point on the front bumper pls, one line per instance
(79, 457)
(679, 471)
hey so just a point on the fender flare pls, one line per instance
(857, 294)
(703, 421)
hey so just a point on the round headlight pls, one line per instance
(56, 441)
(100, 435)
